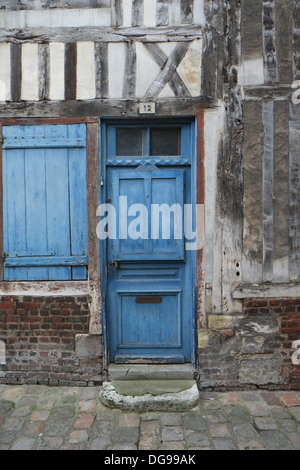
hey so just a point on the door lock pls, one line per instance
(115, 264)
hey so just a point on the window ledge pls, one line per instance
(267, 290)
(45, 288)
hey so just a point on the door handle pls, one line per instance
(115, 264)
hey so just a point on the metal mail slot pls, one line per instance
(151, 299)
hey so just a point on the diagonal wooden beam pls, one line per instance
(176, 83)
(168, 70)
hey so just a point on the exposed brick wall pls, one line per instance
(253, 349)
(39, 335)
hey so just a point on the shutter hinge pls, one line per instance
(4, 256)
(2, 139)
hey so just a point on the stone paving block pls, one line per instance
(219, 430)
(171, 419)
(194, 421)
(295, 439)
(7, 437)
(172, 433)
(123, 447)
(280, 413)
(290, 399)
(101, 443)
(84, 421)
(14, 424)
(244, 432)
(288, 425)
(59, 421)
(214, 416)
(88, 405)
(295, 412)
(265, 424)
(275, 440)
(252, 445)
(23, 443)
(32, 429)
(78, 437)
(130, 420)
(149, 435)
(224, 444)
(257, 409)
(238, 414)
(50, 443)
(40, 415)
(194, 438)
(13, 393)
(22, 411)
(175, 445)
(126, 436)
(271, 399)
(6, 406)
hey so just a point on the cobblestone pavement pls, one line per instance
(46, 418)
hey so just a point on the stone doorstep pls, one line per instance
(171, 400)
(150, 372)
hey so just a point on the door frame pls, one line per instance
(197, 196)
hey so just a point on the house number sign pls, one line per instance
(147, 108)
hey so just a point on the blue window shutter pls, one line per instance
(45, 202)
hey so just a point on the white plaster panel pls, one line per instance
(199, 16)
(86, 87)
(5, 72)
(150, 13)
(116, 69)
(57, 71)
(190, 68)
(147, 70)
(30, 72)
(55, 18)
(127, 13)
(174, 13)
(166, 92)
(251, 72)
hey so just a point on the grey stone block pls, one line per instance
(88, 346)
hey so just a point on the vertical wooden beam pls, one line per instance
(294, 184)
(200, 201)
(70, 70)
(117, 13)
(93, 199)
(44, 72)
(1, 207)
(253, 149)
(186, 7)
(284, 40)
(137, 12)
(269, 43)
(162, 13)
(130, 71)
(296, 39)
(16, 71)
(101, 69)
(268, 190)
(281, 189)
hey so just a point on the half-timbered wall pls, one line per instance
(236, 65)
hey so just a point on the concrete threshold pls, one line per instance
(151, 371)
(143, 388)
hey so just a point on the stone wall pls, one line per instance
(252, 349)
(46, 341)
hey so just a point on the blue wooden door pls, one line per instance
(150, 285)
